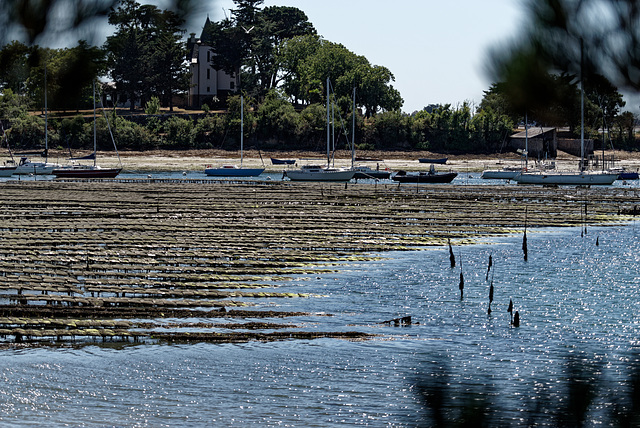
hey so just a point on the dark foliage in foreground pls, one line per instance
(584, 397)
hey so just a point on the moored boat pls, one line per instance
(440, 161)
(584, 178)
(76, 170)
(578, 178)
(363, 172)
(6, 171)
(623, 174)
(275, 161)
(232, 171)
(86, 171)
(317, 172)
(506, 173)
(320, 173)
(424, 177)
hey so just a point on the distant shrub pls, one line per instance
(152, 106)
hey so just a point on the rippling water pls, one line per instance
(574, 298)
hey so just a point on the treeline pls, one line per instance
(275, 124)
(272, 125)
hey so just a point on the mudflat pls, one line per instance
(195, 160)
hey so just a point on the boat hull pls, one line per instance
(86, 173)
(275, 161)
(233, 172)
(7, 171)
(579, 179)
(628, 176)
(323, 175)
(498, 174)
(380, 175)
(440, 161)
(440, 177)
(364, 172)
(27, 167)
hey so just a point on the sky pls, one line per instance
(437, 50)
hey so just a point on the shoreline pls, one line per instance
(195, 160)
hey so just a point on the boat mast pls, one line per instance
(94, 123)
(46, 116)
(353, 131)
(582, 106)
(526, 141)
(241, 128)
(328, 124)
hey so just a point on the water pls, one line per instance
(463, 178)
(574, 298)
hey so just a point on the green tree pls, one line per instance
(14, 66)
(146, 54)
(277, 120)
(247, 43)
(307, 61)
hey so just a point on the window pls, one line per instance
(208, 73)
(208, 56)
(208, 88)
(232, 84)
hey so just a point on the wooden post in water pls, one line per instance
(452, 258)
(489, 267)
(490, 297)
(524, 237)
(510, 309)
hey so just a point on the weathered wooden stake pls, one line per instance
(452, 258)
(524, 237)
(516, 319)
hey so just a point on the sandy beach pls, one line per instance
(194, 160)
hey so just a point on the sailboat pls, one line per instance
(76, 170)
(234, 170)
(26, 166)
(363, 171)
(580, 178)
(318, 172)
(510, 172)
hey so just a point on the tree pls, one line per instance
(250, 39)
(562, 37)
(606, 98)
(14, 67)
(307, 61)
(146, 54)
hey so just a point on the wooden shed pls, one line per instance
(541, 142)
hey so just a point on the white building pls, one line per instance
(207, 83)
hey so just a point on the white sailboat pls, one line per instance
(235, 170)
(510, 172)
(318, 172)
(579, 178)
(25, 165)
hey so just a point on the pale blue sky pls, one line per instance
(436, 49)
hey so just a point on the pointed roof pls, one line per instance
(206, 30)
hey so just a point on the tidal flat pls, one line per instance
(110, 261)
